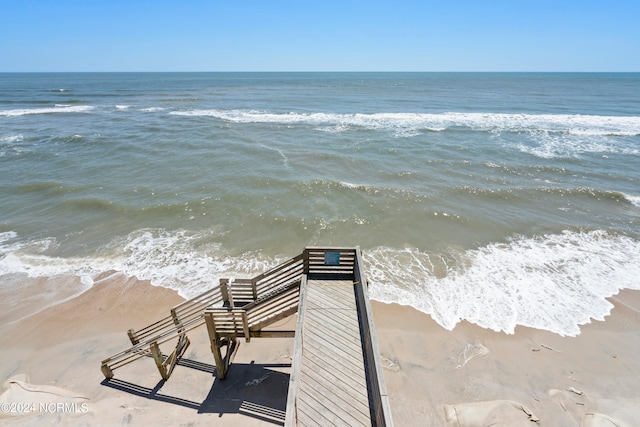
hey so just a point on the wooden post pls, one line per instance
(232, 346)
(305, 261)
(177, 321)
(215, 345)
(254, 288)
(224, 291)
(106, 370)
(133, 337)
(245, 325)
(157, 357)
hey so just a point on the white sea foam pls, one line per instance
(49, 110)
(151, 109)
(12, 138)
(409, 123)
(176, 260)
(123, 107)
(349, 185)
(553, 282)
(634, 200)
(26, 259)
(5, 238)
(549, 146)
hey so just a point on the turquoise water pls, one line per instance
(473, 196)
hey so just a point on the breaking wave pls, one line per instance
(573, 124)
(49, 110)
(180, 260)
(553, 282)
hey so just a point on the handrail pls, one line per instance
(189, 314)
(244, 306)
(375, 380)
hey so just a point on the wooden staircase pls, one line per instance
(336, 376)
(239, 308)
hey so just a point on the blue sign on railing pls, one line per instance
(332, 258)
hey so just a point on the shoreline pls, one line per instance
(53, 357)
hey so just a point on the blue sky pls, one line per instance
(321, 35)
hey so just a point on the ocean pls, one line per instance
(502, 199)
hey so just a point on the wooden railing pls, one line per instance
(182, 318)
(277, 291)
(242, 308)
(189, 315)
(329, 261)
(345, 264)
(381, 410)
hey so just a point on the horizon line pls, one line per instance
(316, 71)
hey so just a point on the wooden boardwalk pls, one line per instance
(336, 377)
(333, 383)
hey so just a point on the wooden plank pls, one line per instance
(341, 385)
(291, 418)
(327, 396)
(323, 357)
(353, 359)
(340, 321)
(332, 379)
(320, 413)
(285, 269)
(264, 309)
(272, 334)
(283, 314)
(337, 318)
(190, 314)
(343, 340)
(376, 375)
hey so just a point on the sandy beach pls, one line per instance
(50, 367)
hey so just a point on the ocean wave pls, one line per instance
(6, 241)
(319, 188)
(634, 200)
(541, 192)
(553, 282)
(409, 123)
(59, 108)
(12, 138)
(185, 261)
(550, 146)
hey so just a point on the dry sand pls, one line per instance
(50, 367)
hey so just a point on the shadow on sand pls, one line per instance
(255, 390)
